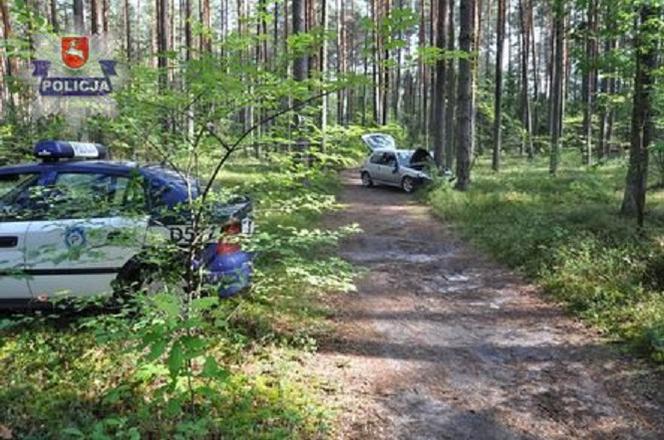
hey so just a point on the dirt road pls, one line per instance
(442, 343)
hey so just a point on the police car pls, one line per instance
(63, 219)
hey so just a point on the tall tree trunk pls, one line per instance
(558, 79)
(188, 37)
(385, 92)
(127, 23)
(162, 42)
(527, 140)
(477, 29)
(498, 92)
(323, 73)
(79, 14)
(606, 84)
(7, 34)
(465, 92)
(10, 68)
(375, 72)
(450, 111)
(94, 16)
(300, 69)
(104, 15)
(634, 199)
(349, 39)
(54, 16)
(588, 86)
(341, 61)
(534, 114)
(396, 93)
(205, 41)
(439, 89)
(423, 122)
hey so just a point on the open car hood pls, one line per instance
(420, 157)
(379, 140)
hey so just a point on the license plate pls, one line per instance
(247, 226)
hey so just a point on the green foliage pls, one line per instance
(566, 233)
(225, 368)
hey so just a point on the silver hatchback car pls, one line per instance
(387, 165)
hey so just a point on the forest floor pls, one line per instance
(441, 342)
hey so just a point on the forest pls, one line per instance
(541, 118)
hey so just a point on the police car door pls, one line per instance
(90, 232)
(15, 215)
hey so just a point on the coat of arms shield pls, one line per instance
(74, 51)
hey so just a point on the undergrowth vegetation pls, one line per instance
(566, 233)
(239, 374)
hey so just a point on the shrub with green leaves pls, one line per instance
(566, 233)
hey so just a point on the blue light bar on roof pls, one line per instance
(69, 150)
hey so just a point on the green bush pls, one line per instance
(566, 233)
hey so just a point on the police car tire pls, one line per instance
(137, 276)
(132, 278)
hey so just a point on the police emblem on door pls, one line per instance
(75, 237)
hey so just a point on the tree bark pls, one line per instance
(104, 15)
(423, 122)
(300, 63)
(188, 38)
(79, 14)
(634, 198)
(94, 16)
(450, 111)
(54, 16)
(162, 42)
(127, 23)
(464, 95)
(439, 88)
(557, 90)
(526, 120)
(341, 61)
(396, 93)
(588, 86)
(205, 41)
(323, 74)
(498, 92)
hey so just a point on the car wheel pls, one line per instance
(408, 184)
(366, 180)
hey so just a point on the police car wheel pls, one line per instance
(157, 286)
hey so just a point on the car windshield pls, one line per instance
(404, 157)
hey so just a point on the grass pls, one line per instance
(73, 377)
(565, 232)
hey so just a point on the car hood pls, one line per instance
(420, 157)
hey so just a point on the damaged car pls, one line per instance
(388, 165)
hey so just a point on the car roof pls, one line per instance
(97, 166)
(90, 166)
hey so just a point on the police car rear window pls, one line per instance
(97, 195)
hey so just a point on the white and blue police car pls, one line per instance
(60, 219)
